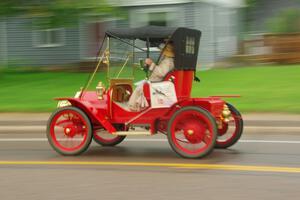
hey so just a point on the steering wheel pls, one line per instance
(144, 67)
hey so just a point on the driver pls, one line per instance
(137, 101)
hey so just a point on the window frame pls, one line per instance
(139, 17)
(190, 45)
(165, 19)
(37, 42)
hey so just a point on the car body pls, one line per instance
(194, 126)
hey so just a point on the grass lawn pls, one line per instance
(263, 89)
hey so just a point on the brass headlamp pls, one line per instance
(226, 114)
(100, 89)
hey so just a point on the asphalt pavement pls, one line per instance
(265, 164)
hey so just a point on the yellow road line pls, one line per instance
(173, 165)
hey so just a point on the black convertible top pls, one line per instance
(142, 33)
(185, 41)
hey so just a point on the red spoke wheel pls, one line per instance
(230, 132)
(69, 131)
(192, 132)
(105, 138)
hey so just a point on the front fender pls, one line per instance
(93, 113)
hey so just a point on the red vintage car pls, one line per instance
(193, 126)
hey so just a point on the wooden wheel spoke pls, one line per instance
(198, 129)
(62, 123)
(183, 141)
(207, 138)
(66, 131)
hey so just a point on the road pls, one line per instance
(265, 164)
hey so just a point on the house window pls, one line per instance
(49, 38)
(190, 45)
(157, 18)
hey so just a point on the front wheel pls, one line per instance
(230, 132)
(69, 131)
(192, 132)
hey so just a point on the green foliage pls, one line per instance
(288, 21)
(251, 3)
(8, 7)
(59, 13)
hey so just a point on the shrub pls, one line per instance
(288, 21)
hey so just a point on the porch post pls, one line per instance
(3, 42)
(81, 40)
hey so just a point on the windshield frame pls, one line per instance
(103, 57)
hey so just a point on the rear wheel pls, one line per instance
(230, 132)
(192, 132)
(105, 138)
(69, 131)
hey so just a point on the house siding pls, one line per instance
(189, 13)
(3, 43)
(226, 32)
(130, 3)
(83, 40)
(203, 15)
(22, 51)
(86, 44)
(175, 18)
(218, 25)
(138, 17)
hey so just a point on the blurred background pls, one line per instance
(248, 47)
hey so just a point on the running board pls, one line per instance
(132, 133)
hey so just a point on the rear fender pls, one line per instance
(94, 114)
(226, 96)
(212, 105)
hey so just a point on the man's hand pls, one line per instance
(148, 61)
